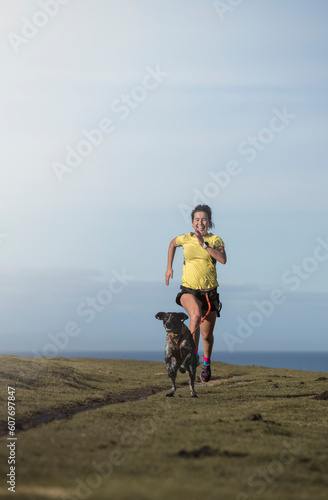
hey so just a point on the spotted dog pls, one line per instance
(179, 349)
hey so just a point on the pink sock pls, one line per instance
(196, 352)
(206, 360)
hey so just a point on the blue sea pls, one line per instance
(309, 361)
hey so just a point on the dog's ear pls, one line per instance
(160, 315)
(183, 316)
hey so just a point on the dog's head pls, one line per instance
(172, 321)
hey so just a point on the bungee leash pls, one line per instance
(203, 318)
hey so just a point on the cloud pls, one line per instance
(250, 192)
(41, 302)
(120, 206)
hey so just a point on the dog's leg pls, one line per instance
(172, 373)
(192, 376)
(192, 386)
(172, 391)
(185, 363)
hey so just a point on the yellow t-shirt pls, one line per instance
(199, 269)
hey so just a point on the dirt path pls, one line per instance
(48, 415)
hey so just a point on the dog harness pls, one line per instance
(175, 342)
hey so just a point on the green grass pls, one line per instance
(157, 448)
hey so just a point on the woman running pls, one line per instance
(198, 294)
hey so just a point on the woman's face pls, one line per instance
(200, 222)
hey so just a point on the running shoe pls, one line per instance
(205, 374)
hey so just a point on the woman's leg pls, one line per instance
(193, 308)
(207, 328)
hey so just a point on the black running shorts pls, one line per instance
(213, 296)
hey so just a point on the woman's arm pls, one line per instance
(169, 270)
(217, 253)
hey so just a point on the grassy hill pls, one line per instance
(101, 429)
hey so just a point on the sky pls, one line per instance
(118, 117)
